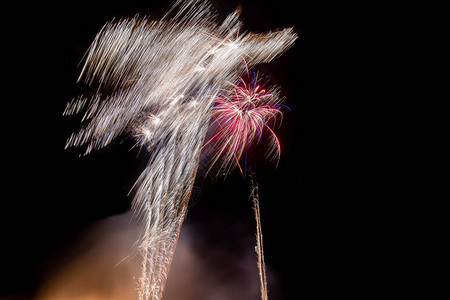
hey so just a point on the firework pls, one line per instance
(259, 238)
(158, 82)
(241, 115)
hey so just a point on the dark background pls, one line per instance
(50, 194)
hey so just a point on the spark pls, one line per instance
(232, 45)
(138, 64)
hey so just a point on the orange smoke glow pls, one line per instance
(102, 265)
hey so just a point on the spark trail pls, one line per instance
(158, 82)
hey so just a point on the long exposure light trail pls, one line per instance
(158, 81)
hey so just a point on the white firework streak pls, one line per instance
(158, 81)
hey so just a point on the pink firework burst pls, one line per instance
(241, 116)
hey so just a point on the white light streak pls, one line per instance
(143, 63)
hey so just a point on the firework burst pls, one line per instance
(240, 116)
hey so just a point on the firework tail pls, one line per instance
(259, 238)
(158, 81)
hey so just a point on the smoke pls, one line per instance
(96, 265)
(102, 264)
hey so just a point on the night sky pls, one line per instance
(51, 194)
